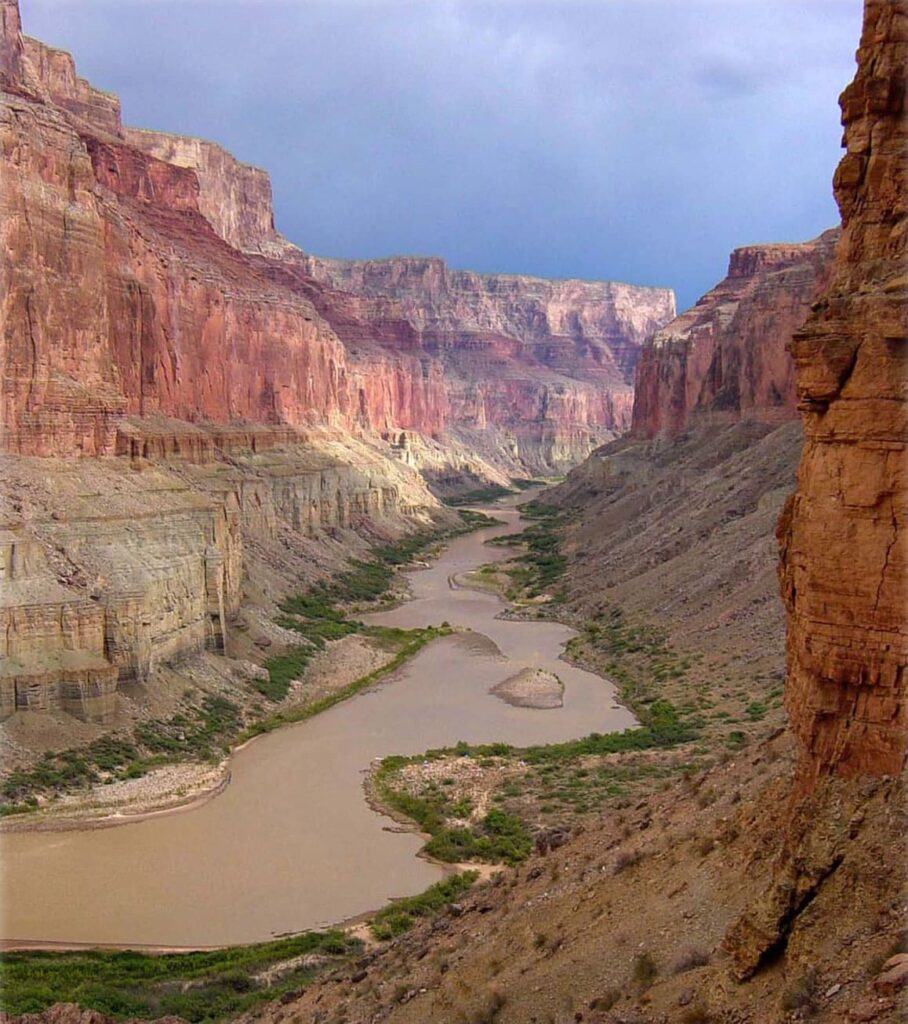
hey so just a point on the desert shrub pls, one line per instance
(625, 859)
(400, 915)
(756, 711)
(690, 960)
(696, 1014)
(607, 1000)
(479, 495)
(644, 970)
(203, 986)
(735, 740)
(801, 993)
(282, 670)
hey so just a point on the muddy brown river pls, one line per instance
(291, 843)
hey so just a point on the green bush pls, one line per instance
(282, 670)
(400, 915)
(756, 711)
(199, 987)
(481, 494)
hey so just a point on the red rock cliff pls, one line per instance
(545, 365)
(142, 274)
(234, 197)
(844, 535)
(725, 358)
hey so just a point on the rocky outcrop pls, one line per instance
(218, 383)
(56, 72)
(112, 568)
(122, 571)
(565, 325)
(725, 358)
(842, 533)
(10, 45)
(844, 537)
(234, 197)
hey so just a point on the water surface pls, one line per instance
(291, 843)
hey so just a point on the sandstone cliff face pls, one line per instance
(725, 358)
(108, 574)
(120, 298)
(55, 70)
(152, 262)
(111, 568)
(842, 533)
(234, 197)
(151, 313)
(119, 304)
(547, 364)
(563, 324)
(844, 570)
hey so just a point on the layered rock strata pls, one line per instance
(235, 198)
(143, 274)
(113, 567)
(151, 313)
(844, 572)
(842, 533)
(725, 358)
(551, 362)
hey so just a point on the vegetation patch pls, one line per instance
(201, 731)
(497, 837)
(322, 614)
(480, 495)
(538, 571)
(204, 986)
(412, 640)
(399, 916)
(636, 656)
(539, 785)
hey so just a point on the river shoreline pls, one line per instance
(449, 683)
(165, 797)
(185, 785)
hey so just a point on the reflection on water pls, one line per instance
(291, 843)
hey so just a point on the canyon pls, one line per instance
(185, 393)
(206, 314)
(748, 867)
(725, 358)
(769, 885)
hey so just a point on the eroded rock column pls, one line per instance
(843, 533)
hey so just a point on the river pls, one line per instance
(291, 843)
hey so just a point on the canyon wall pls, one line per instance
(549, 363)
(843, 534)
(114, 567)
(234, 197)
(725, 358)
(183, 390)
(143, 274)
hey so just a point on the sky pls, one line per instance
(631, 140)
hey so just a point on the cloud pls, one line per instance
(629, 139)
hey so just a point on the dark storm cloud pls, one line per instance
(638, 140)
